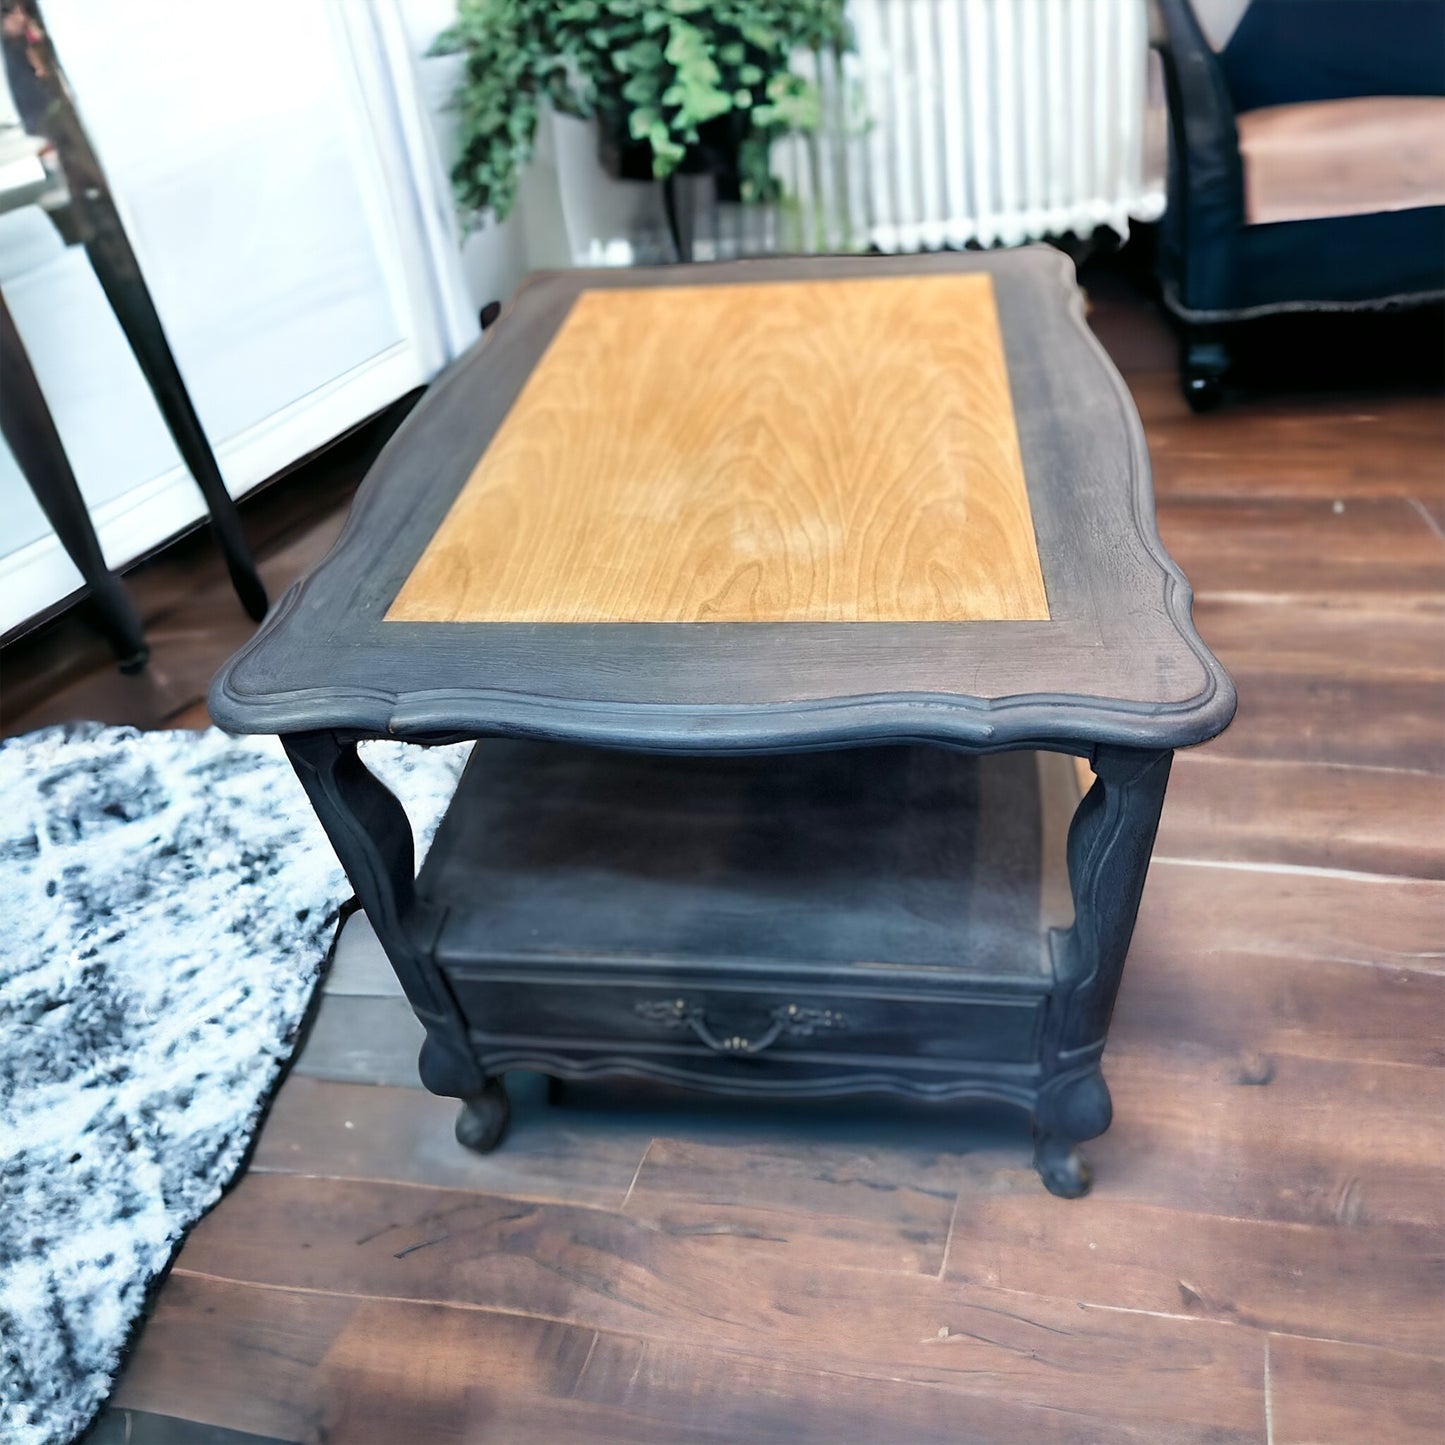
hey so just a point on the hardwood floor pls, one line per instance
(1260, 1259)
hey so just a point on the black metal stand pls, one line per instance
(99, 228)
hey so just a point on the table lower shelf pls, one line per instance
(750, 922)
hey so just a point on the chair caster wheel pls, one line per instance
(1202, 364)
(483, 1120)
(1202, 391)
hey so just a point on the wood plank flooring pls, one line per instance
(1260, 1259)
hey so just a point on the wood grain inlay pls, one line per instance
(822, 451)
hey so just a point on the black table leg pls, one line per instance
(372, 837)
(1110, 841)
(30, 432)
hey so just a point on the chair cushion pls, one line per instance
(1342, 157)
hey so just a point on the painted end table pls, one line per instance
(776, 594)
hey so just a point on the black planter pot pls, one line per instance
(715, 154)
(708, 173)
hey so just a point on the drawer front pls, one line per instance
(751, 1021)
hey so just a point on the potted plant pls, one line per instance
(675, 86)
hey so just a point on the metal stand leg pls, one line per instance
(29, 431)
(120, 278)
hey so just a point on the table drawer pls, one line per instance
(749, 1021)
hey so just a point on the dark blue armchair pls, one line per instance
(1306, 167)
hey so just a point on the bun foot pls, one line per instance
(1063, 1169)
(483, 1120)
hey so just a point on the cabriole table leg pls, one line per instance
(369, 829)
(1110, 842)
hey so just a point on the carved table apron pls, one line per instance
(776, 594)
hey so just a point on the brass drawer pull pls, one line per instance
(787, 1019)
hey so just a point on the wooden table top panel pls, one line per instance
(871, 570)
(849, 455)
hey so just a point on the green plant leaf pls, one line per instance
(642, 122)
(666, 154)
(641, 89)
(649, 70)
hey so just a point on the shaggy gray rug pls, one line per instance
(167, 906)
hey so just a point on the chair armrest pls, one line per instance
(1206, 176)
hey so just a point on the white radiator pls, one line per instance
(985, 121)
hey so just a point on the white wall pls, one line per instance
(494, 255)
(274, 184)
